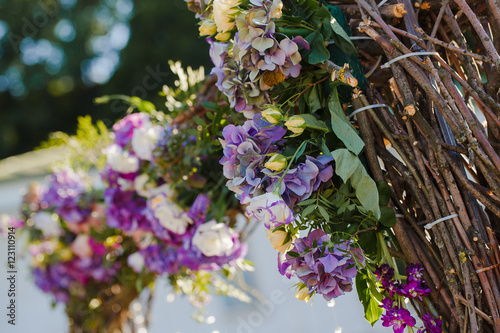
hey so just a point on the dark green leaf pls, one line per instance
(387, 217)
(324, 213)
(341, 38)
(308, 210)
(384, 192)
(293, 254)
(210, 106)
(349, 167)
(318, 52)
(314, 123)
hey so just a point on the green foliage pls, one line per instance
(349, 168)
(341, 126)
(369, 296)
(84, 149)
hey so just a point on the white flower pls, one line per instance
(120, 160)
(146, 188)
(48, 224)
(269, 208)
(136, 262)
(81, 246)
(144, 140)
(224, 12)
(213, 239)
(171, 216)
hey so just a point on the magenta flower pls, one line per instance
(432, 325)
(124, 129)
(398, 318)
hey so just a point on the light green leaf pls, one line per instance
(314, 123)
(370, 303)
(341, 126)
(349, 167)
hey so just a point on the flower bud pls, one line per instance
(303, 293)
(296, 124)
(272, 114)
(277, 238)
(207, 28)
(223, 36)
(277, 162)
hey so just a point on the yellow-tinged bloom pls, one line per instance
(296, 124)
(65, 254)
(224, 12)
(272, 114)
(223, 36)
(302, 294)
(277, 162)
(207, 28)
(277, 237)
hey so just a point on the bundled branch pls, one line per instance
(437, 145)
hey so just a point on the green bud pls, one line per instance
(277, 162)
(272, 114)
(296, 124)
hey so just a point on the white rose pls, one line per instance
(171, 216)
(136, 262)
(81, 246)
(49, 226)
(144, 140)
(120, 160)
(213, 239)
(224, 12)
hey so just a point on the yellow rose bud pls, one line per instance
(277, 237)
(207, 28)
(223, 36)
(302, 293)
(296, 124)
(277, 162)
(272, 114)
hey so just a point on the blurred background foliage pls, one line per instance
(56, 56)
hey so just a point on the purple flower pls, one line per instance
(126, 210)
(300, 182)
(124, 129)
(66, 190)
(433, 325)
(414, 289)
(398, 318)
(384, 272)
(244, 149)
(325, 270)
(414, 272)
(161, 258)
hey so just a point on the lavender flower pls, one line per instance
(324, 270)
(124, 129)
(125, 210)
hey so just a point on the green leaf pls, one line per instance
(341, 126)
(349, 167)
(308, 210)
(370, 303)
(293, 254)
(317, 52)
(387, 217)
(210, 106)
(314, 123)
(307, 202)
(341, 38)
(384, 192)
(324, 213)
(313, 100)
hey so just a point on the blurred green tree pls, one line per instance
(56, 56)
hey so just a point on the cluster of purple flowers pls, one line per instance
(68, 278)
(65, 193)
(203, 245)
(245, 151)
(395, 315)
(324, 269)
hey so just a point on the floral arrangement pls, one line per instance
(97, 240)
(296, 162)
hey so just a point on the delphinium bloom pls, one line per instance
(432, 325)
(396, 316)
(325, 270)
